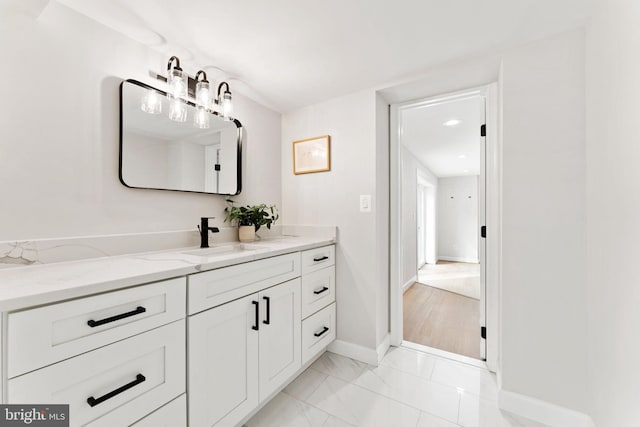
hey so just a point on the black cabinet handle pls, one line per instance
(268, 319)
(319, 291)
(256, 327)
(322, 332)
(322, 258)
(93, 323)
(92, 401)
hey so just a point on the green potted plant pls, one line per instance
(250, 218)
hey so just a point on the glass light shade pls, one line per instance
(201, 119)
(203, 97)
(227, 106)
(177, 111)
(177, 83)
(151, 102)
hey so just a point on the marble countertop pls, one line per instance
(44, 284)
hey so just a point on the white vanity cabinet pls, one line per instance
(113, 357)
(223, 363)
(318, 300)
(242, 351)
(280, 339)
(202, 350)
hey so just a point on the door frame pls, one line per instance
(493, 214)
(421, 216)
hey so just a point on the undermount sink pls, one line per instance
(223, 250)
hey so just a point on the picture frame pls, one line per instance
(312, 155)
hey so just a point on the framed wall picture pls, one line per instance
(312, 155)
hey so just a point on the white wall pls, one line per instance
(411, 166)
(458, 218)
(613, 203)
(332, 198)
(59, 132)
(543, 254)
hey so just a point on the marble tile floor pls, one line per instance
(409, 388)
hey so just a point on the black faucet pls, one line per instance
(204, 231)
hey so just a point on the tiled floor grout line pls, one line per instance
(365, 367)
(386, 397)
(430, 379)
(316, 388)
(359, 369)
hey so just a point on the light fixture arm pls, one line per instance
(204, 76)
(220, 88)
(171, 62)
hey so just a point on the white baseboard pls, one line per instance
(354, 351)
(541, 411)
(383, 347)
(458, 259)
(410, 282)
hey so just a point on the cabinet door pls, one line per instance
(223, 364)
(280, 335)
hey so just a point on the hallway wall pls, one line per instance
(409, 233)
(458, 218)
(613, 203)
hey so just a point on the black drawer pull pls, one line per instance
(322, 332)
(319, 291)
(322, 258)
(256, 327)
(267, 321)
(94, 323)
(92, 401)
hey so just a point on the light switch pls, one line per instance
(365, 203)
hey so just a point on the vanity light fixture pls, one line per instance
(203, 96)
(203, 101)
(176, 79)
(183, 90)
(177, 90)
(224, 101)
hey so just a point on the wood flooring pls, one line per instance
(442, 319)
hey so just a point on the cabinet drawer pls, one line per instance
(318, 290)
(215, 287)
(45, 335)
(315, 259)
(173, 414)
(126, 380)
(317, 332)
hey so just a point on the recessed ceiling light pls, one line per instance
(452, 122)
(466, 170)
(462, 156)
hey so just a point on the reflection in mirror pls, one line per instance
(159, 153)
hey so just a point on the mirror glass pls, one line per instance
(159, 153)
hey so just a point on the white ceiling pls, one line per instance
(292, 53)
(446, 150)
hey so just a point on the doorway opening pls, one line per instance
(438, 233)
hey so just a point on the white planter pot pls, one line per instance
(247, 233)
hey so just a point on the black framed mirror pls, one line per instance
(199, 153)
